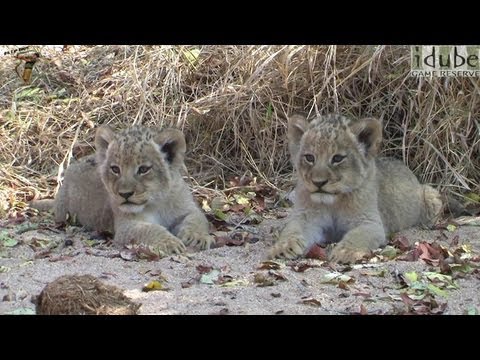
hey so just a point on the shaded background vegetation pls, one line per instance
(232, 103)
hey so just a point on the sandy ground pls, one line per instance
(230, 280)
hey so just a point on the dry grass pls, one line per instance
(232, 103)
(83, 295)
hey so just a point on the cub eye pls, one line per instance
(338, 158)
(143, 169)
(309, 158)
(115, 169)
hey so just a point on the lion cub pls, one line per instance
(344, 194)
(132, 186)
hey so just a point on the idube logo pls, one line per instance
(445, 60)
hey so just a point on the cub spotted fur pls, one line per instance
(132, 186)
(344, 194)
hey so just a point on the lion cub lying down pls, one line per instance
(133, 186)
(344, 194)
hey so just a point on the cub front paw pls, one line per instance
(289, 248)
(345, 253)
(170, 245)
(195, 238)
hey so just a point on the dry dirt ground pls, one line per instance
(237, 280)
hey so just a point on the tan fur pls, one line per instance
(43, 204)
(133, 187)
(345, 194)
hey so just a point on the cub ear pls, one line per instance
(172, 144)
(297, 124)
(368, 132)
(103, 138)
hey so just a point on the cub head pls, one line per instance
(139, 164)
(332, 154)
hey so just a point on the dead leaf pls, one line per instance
(42, 254)
(154, 285)
(365, 295)
(462, 268)
(259, 205)
(270, 265)
(222, 279)
(237, 207)
(210, 278)
(22, 311)
(7, 240)
(156, 272)
(221, 240)
(343, 285)
(220, 215)
(136, 251)
(39, 243)
(187, 284)
(301, 266)
(107, 275)
(401, 242)
(128, 255)
(61, 258)
(431, 253)
(472, 311)
(425, 306)
(241, 181)
(277, 275)
(406, 299)
(241, 199)
(15, 219)
(411, 255)
(362, 266)
(451, 227)
(389, 252)
(335, 278)
(468, 220)
(205, 206)
(311, 302)
(410, 277)
(237, 239)
(454, 241)
(203, 269)
(263, 280)
(379, 273)
(235, 283)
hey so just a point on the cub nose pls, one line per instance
(320, 184)
(126, 195)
